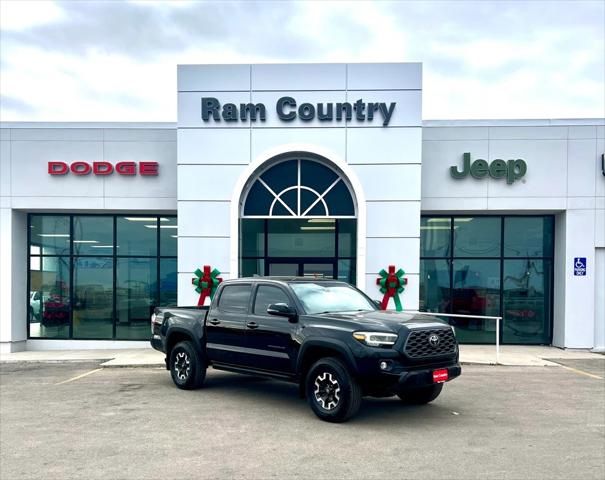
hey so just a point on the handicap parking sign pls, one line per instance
(579, 266)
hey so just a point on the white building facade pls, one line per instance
(321, 170)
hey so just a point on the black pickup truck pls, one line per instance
(325, 335)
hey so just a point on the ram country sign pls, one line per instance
(512, 170)
(287, 110)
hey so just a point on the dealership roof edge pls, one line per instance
(425, 123)
(529, 122)
(135, 125)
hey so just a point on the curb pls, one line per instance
(102, 362)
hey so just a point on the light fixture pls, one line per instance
(321, 220)
(102, 246)
(85, 241)
(434, 227)
(447, 220)
(162, 226)
(145, 219)
(318, 228)
(53, 234)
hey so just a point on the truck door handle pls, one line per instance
(252, 325)
(214, 321)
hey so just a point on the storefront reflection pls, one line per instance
(476, 292)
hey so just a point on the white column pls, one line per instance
(599, 317)
(579, 290)
(13, 280)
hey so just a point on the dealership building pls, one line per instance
(321, 170)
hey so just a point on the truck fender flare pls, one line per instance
(331, 344)
(194, 336)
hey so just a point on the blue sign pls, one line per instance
(579, 266)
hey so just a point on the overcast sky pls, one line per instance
(116, 61)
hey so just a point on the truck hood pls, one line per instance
(383, 320)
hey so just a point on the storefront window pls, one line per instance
(526, 298)
(111, 285)
(168, 281)
(49, 298)
(49, 235)
(435, 236)
(346, 270)
(93, 235)
(435, 285)
(93, 298)
(249, 267)
(137, 235)
(136, 290)
(168, 236)
(347, 238)
(490, 277)
(477, 237)
(528, 236)
(252, 238)
(476, 291)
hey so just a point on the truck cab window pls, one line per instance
(235, 298)
(267, 295)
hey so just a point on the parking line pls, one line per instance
(582, 372)
(79, 376)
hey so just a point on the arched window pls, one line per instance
(301, 187)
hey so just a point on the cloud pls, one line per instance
(144, 30)
(116, 60)
(15, 105)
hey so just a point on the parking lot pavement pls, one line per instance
(589, 367)
(74, 420)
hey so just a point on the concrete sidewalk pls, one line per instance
(469, 354)
(521, 355)
(127, 357)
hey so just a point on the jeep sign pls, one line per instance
(512, 170)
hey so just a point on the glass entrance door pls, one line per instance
(311, 247)
(318, 270)
(301, 267)
(278, 269)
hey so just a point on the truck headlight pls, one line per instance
(375, 339)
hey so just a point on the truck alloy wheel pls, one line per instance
(182, 366)
(187, 369)
(327, 391)
(332, 391)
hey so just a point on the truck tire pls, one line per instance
(332, 392)
(187, 369)
(421, 396)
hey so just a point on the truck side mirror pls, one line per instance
(282, 310)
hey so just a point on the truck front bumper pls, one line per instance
(398, 378)
(424, 377)
(156, 343)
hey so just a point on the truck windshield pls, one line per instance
(330, 298)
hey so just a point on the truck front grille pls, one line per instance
(421, 343)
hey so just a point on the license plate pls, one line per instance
(440, 376)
